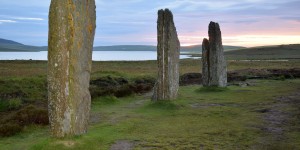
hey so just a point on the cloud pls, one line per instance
(26, 18)
(27, 3)
(21, 18)
(7, 21)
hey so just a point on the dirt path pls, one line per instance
(146, 97)
(125, 144)
(280, 119)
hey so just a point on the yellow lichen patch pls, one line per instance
(90, 28)
(71, 24)
(79, 44)
(71, 4)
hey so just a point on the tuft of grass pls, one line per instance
(31, 115)
(11, 104)
(9, 129)
(120, 86)
(14, 103)
(124, 91)
(15, 122)
(30, 90)
(105, 100)
(281, 77)
(3, 105)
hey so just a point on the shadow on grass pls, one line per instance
(212, 89)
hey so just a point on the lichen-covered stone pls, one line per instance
(71, 36)
(168, 49)
(213, 60)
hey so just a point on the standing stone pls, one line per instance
(71, 36)
(168, 49)
(214, 67)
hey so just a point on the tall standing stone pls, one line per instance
(168, 49)
(71, 36)
(214, 69)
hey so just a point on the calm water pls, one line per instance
(97, 55)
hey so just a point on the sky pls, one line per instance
(133, 22)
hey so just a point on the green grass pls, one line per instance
(222, 119)
(28, 90)
(105, 100)
(276, 52)
(208, 118)
(25, 69)
(212, 89)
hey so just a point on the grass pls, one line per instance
(276, 52)
(207, 118)
(105, 100)
(14, 91)
(266, 52)
(222, 119)
(25, 69)
(212, 89)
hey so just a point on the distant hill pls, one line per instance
(12, 46)
(187, 49)
(198, 48)
(125, 48)
(291, 51)
(4, 41)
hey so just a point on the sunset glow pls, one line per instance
(246, 40)
(261, 40)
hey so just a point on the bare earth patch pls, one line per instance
(123, 145)
(95, 118)
(140, 102)
(279, 120)
(207, 105)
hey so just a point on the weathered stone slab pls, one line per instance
(168, 49)
(71, 36)
(214, 64)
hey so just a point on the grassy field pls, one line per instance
(275, 52)
(199, 118)
(266, 52)
(20, 69)
(232, 118)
